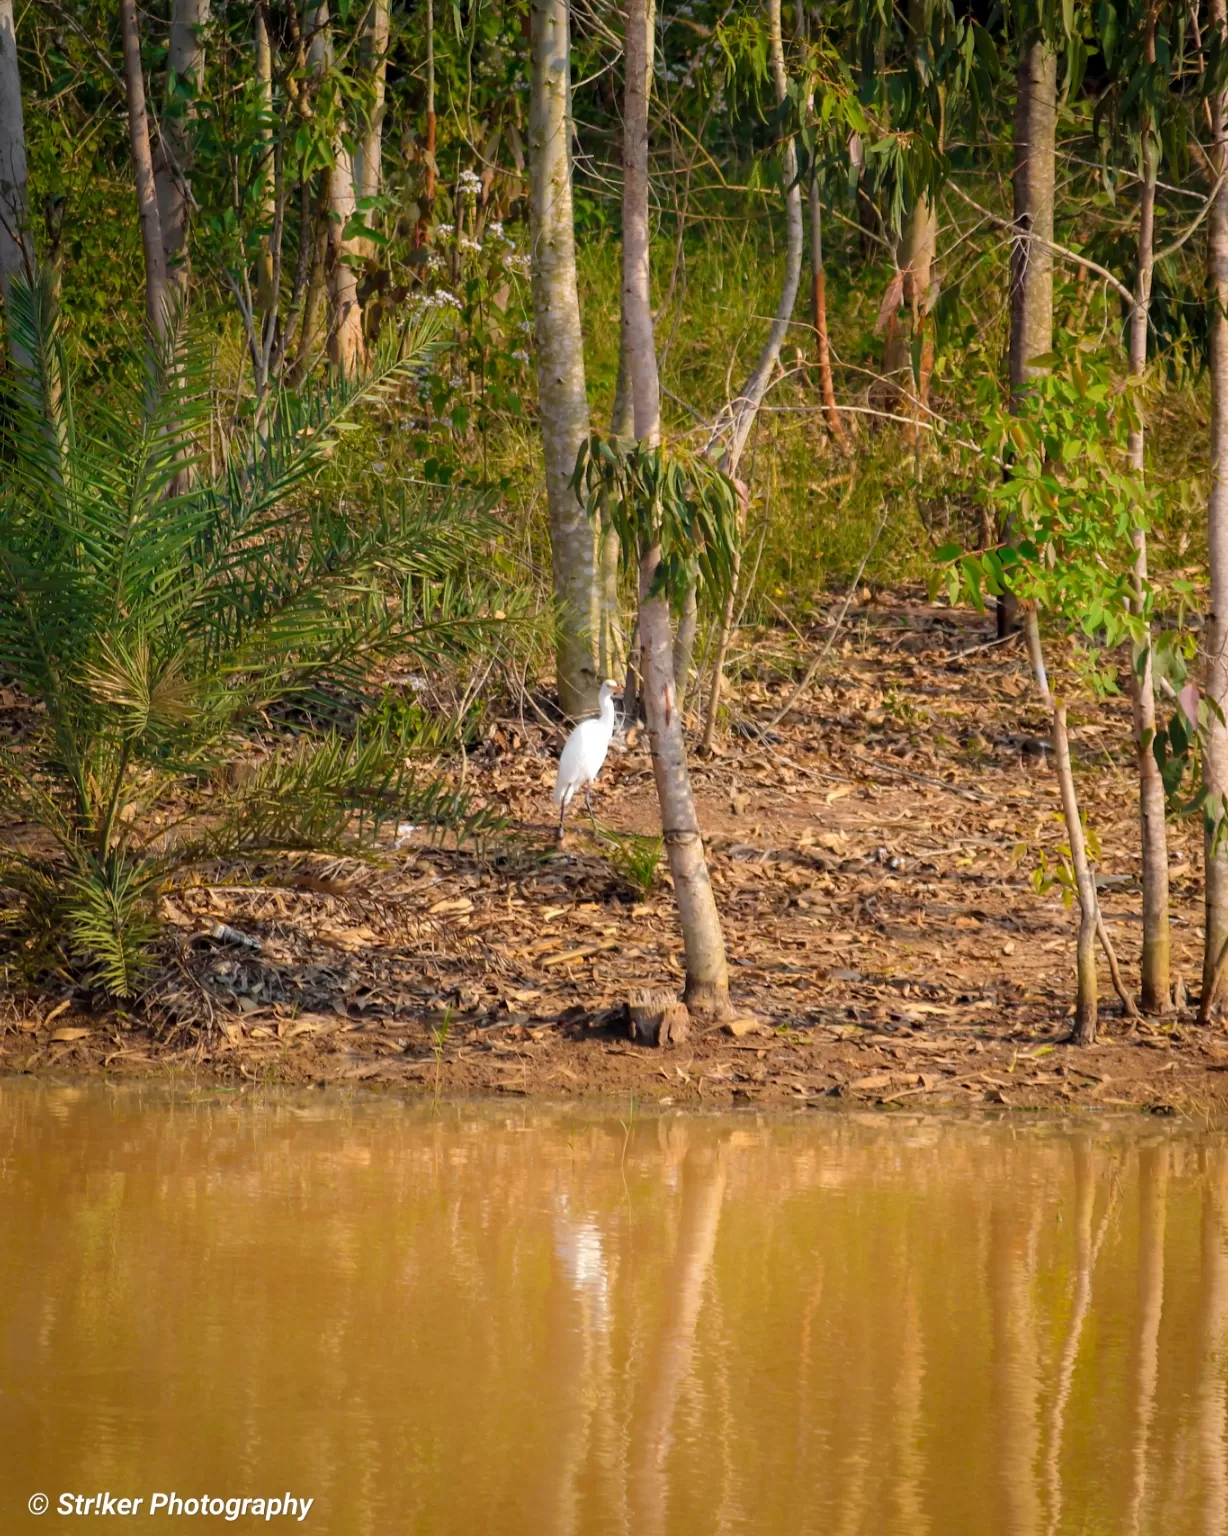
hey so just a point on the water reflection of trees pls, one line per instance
(542, 1321)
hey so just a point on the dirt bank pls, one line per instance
(872, 858)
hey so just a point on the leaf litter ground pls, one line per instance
(871, 856)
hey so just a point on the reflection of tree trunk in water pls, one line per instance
(1086, 1253)
(1152, 1198)
(703, 1190)
(578, 1358)
(906, 1418)
(1016, 1384)
(1214, 1316)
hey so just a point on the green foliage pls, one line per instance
(157, 609)
(676, 501)
(632, 858)
(1072, 504)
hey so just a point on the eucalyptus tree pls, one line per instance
(675, 516)
(157, 290)
(185, 62)
(346, 347)
(1215, 755)
(562, 393)
(1143, 49)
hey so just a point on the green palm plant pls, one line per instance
(154, 628)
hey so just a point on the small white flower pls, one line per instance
(520, 355)
(495, 230)
(470, 183)
(518, 264)
(466, 244)
(445, 231)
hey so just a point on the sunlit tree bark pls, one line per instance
(346, 350)
(560, 356)
(375, 66)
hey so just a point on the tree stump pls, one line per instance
(657, 1018)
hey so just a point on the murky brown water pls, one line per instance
(478, 1320)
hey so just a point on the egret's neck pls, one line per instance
(607, 711)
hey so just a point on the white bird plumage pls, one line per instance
(584, 752)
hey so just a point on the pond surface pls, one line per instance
(487, 1319)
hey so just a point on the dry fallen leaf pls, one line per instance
(70, 1034)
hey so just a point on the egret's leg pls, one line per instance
(588, 800)
(562, 813)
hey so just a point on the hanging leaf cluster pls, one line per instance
(665, 497)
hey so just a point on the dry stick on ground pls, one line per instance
(809, 675)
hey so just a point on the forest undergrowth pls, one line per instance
(872, 855)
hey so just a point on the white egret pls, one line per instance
(584, 752)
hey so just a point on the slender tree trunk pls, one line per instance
(375, 65)
(266, 298)
(746, 407)
(157, 293)
(311, 329)
(1154, 838)
(707, 976)
(1031, 281)
(1215, 758)
(1086, 996)
(172, 160)
(818, 308)
(16, 237)
(741, 417)
(346, 349)
(431, 128)
(560, 356)
(684, 644)
(922, 249)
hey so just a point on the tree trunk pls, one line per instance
(818, 307)
(375, 65)
(1031, 280)
(1086, 1005)
(1215, 759)
(741, 417)
(266, 298)
(311, 329)
(560, 356)
(346, 350)
(172, 163)
(746, 407)
(1153, 831)
(707, 975)
(16, 238)
(922, 249)
(1086, 1001)
(684, 644)
(157, 294)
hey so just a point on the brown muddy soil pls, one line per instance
(872, 859)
